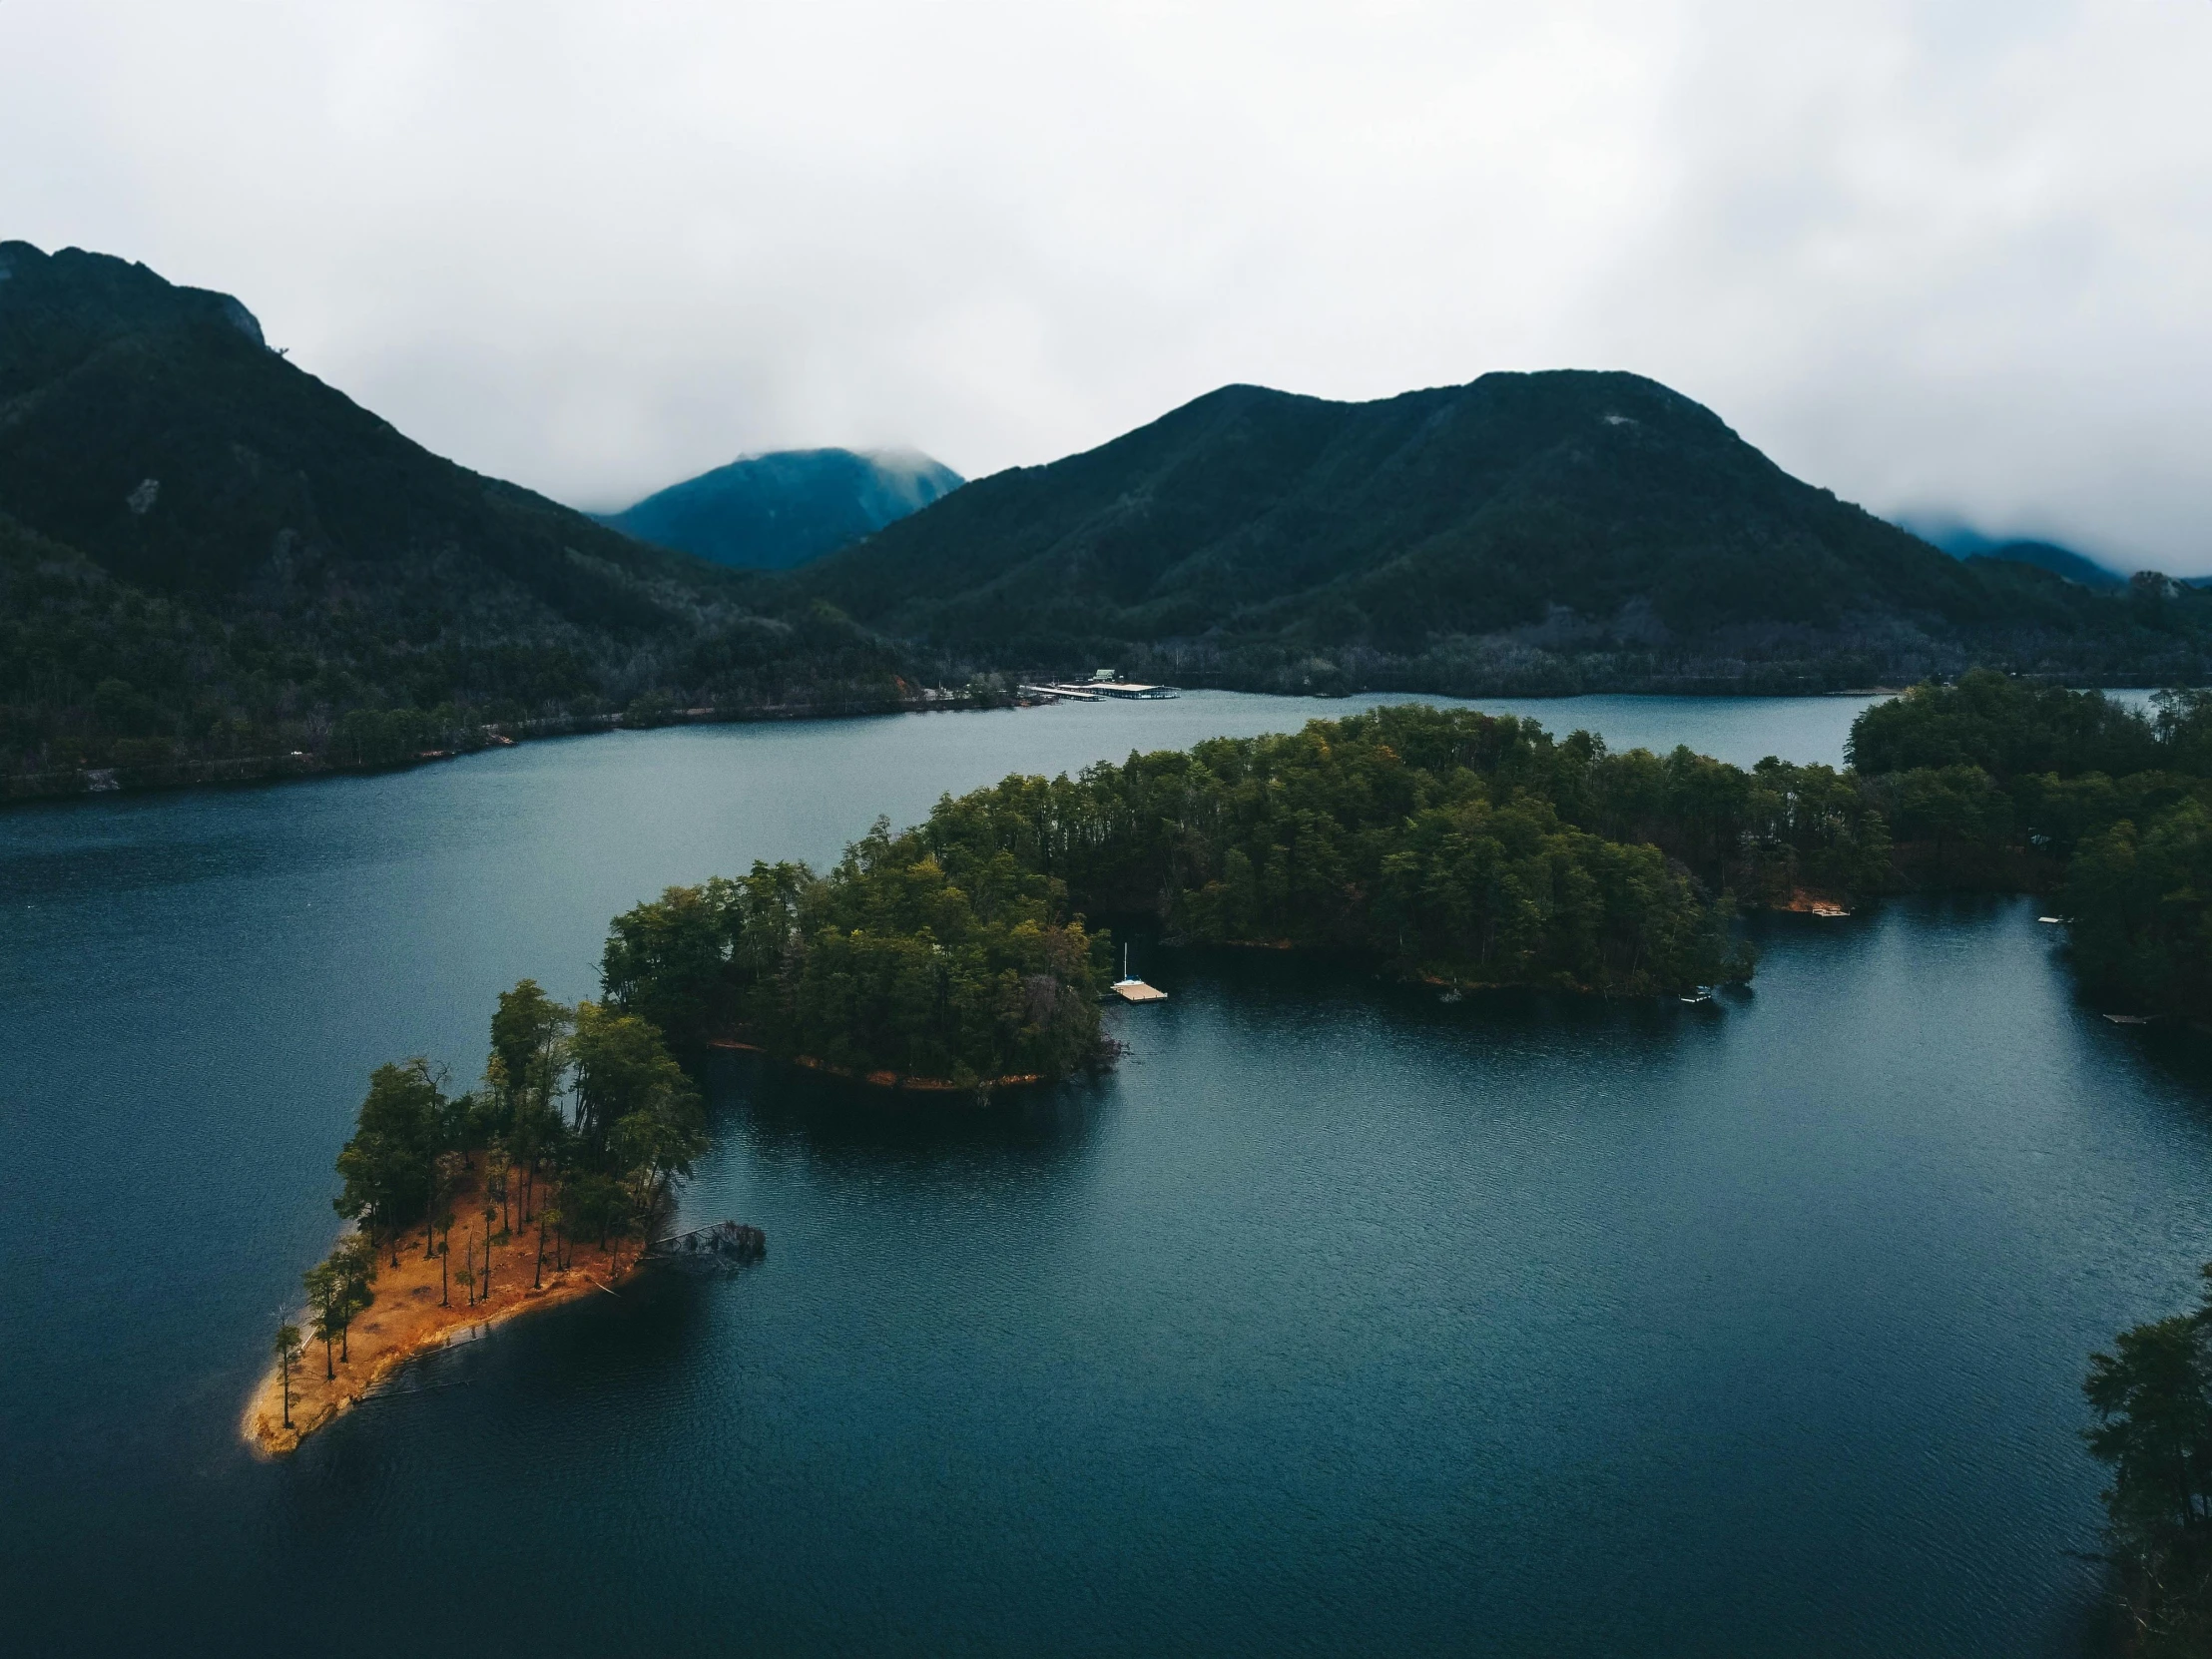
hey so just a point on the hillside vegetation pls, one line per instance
(212, 564)
(207, 555)
(1550, 532)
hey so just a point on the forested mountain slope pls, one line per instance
(1544, 532)
(774, 511)
(207, 553)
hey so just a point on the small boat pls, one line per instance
(1451, 995)
(2128, 1019)
(1703, 994)
(2052, 922)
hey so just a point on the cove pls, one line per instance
(1334, 1320)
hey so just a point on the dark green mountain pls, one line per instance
(1526, 532)
(2060, 561)
(769, 512)
(1965, 543)
(207, 555)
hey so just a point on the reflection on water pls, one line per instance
(1336, 1320)
(788, 1117)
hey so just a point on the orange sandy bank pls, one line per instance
(1805, 901)
(414, 1314)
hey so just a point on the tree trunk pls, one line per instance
(537, 1277)
(329, 1370)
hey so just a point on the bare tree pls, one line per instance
(287, 1349)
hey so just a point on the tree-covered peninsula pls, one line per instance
(1438, 845)
(2005, 785)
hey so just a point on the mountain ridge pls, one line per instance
(207, 553)
(1556, 531)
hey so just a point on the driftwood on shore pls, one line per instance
(724, 1241)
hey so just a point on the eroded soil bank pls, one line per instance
(421, 1306)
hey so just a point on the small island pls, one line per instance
(545, 1184)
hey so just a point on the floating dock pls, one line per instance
(1059, 694)
(1136, 990)
(1094, 691)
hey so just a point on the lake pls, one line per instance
(1335, 1320)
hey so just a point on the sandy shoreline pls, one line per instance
(415, 1314)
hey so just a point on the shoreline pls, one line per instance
(892, 1081)
(237, 772)
(415, 1315)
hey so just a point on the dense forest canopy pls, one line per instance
(2070, 790)
(1442, 845)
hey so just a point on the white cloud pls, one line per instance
(1942, 255)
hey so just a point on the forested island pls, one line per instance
(1434, 844)
(971, 951)
(1443, 845)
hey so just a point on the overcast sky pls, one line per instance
(1942, 257)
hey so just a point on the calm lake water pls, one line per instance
(1335, 1321)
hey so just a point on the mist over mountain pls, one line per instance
(774, 511)
(1545, 532)
(1963, 542)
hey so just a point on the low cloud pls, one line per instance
(1942, 259)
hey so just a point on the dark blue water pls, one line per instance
(1335, 1321)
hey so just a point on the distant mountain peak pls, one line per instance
(1962, 541)
(781, 508)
